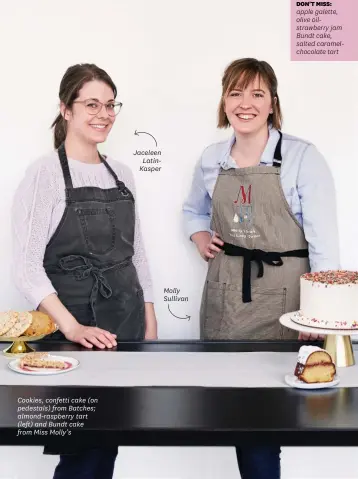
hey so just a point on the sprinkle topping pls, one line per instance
(332, 277)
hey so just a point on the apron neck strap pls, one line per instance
(66, 169)
(64, 165)
(120, 185)
(277, 157)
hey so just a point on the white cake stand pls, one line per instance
(338, 342)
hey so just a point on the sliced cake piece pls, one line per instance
(314, 365)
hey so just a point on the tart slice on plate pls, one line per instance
(43, 363)
(41, 360)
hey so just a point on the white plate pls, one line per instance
(72, 364)
(294, 382)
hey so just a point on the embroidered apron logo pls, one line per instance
(243, 214)
(243, 207)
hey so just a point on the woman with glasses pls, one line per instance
(78, 251)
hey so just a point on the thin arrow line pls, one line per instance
(186, 317)
(137, 133)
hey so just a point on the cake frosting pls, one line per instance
(329, 300)
(305, 352)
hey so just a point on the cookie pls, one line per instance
(41, 324)
(7, 321)
(24, 320)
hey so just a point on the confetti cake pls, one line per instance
(329, 300)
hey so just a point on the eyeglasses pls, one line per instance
(93, 107)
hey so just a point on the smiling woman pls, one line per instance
(78, 250)
(250, 93)
(260, 197)
(84, 86)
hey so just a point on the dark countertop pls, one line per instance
(189, 415)
(179, 345)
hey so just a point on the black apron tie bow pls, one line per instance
(260, 257)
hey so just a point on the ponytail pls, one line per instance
(60, 130)
(72, 82)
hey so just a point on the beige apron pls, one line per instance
(256, 278)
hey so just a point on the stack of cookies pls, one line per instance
(14, 324)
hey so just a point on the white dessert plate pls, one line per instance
(71, 364)
(294, 382)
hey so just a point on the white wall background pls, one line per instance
(167, 59)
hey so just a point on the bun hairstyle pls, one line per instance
(72, 82)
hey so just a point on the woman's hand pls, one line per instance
(90, 336)
(208, 246)
(74, 331)
(310, 337)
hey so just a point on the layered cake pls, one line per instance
(314, 365)
(328, 300)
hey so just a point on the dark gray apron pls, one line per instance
(89, 261)
(89, 258)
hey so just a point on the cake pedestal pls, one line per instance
(338, 342)
(340, 348)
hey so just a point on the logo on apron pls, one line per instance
(243, 207)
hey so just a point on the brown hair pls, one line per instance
(72, 82)
(239, 74)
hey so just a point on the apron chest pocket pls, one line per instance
(98, 228)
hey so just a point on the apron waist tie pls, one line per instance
(82, 271)
(260, 257)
